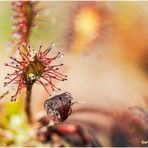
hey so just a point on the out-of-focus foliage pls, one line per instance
(105, 47)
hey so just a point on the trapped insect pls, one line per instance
(59, 107)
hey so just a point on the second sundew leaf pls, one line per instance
(25, 18)
(22, 20)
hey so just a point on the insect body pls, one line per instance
(59, 107)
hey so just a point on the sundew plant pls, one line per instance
(73, 74)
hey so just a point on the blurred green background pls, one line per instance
(107, 71)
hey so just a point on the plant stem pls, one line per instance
(28, 104)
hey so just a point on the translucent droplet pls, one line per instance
(62, 56)
(17, 35)
(52, 44)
